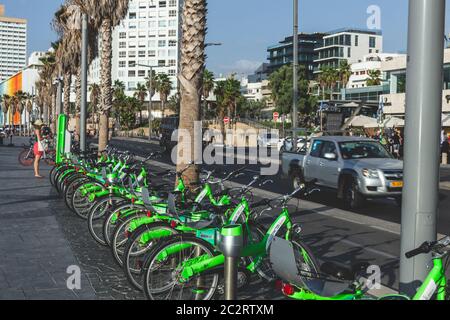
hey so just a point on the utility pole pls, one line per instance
(150, 105)
(422, 133)
(59, 91)
(295, 78)
(84, 67)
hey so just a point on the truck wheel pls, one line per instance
(297, 179)
(352, 197)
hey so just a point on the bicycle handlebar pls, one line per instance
(428, 247)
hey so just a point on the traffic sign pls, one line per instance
(276, 116)
(226, 120)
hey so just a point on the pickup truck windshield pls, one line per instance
(363, 150)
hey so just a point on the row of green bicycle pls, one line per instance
(166, 238)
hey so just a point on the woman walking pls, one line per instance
(38, 148)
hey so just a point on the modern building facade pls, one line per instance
(148, 36)
(394, 73)
(346, 44)
(13, 45)
(24, 81)
(282, 53)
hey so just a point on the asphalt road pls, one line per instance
(369, 234)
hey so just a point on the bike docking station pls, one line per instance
(231, 242)
(63, 139)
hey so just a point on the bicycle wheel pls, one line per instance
(137, 249)
(121, 211)
(69, 190)
(163, 271)
(50, 157)
(306, 264)
(100, 210)
(81, 204)
(26, 158)
(120, 235)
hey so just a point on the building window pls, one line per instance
(131, 86)
(172, 33)
(372, 41)
(349, 52)
(131, 64)
(172, 13)
(122, 45)
(131, 73)
(152, 53)
(122, 64)
(122, 35)
(141, 73)
(162, 4)
(356, 41)
(161, 63)
(161, 43)
(172, 73)
(172, 43)
(132, 54)
(122, 54)
(172, 63)
(162, 23)
(172, 3)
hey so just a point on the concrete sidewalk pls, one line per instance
(34, 254)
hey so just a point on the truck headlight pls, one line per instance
(370, 173)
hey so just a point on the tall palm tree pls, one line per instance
(374, 78)
(94, 96)
(208, 86)
(191, 77)
(6, 104)
(345, 71)
(164, 87)
(20, 101)
(151, 87)
(140, 93)
(105, 15)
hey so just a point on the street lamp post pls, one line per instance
(422, 133)
(295, 77)
(84, 67)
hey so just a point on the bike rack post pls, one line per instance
(230, 243)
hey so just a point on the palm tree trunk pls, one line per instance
(67, 84)
(191, 78)
(106, 84)
(77, 103)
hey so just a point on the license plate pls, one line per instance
(397, 184)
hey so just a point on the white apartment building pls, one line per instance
(347, 44)
(360, 70)
(13, 45)
(149, 35)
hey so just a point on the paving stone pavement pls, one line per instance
(40, 238)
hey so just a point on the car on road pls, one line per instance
(357, 168)
(268, 140)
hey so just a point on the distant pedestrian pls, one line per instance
(38, 147)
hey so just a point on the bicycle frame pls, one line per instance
(435, 281)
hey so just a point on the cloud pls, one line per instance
(242, 66)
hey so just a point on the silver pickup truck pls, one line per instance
(358, 168)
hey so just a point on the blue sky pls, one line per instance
(247, 27)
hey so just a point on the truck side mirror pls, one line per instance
(330, 156)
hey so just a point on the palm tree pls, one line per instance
(105, 15)
(6, 104)
(140, 93)
(374, 78)
(163, 87)
(345, 71)
(94, 89)
(208, 86)
(20, 101)
(191, 77)
(118, 91)
(151, 87)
